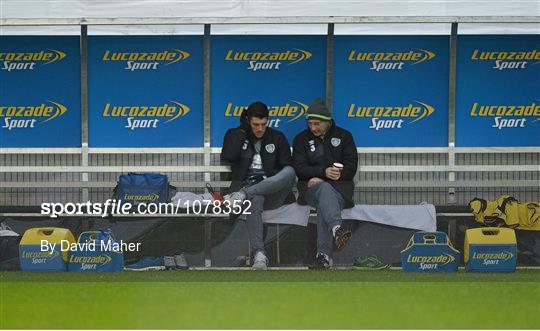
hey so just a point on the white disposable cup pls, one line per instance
(338, 165)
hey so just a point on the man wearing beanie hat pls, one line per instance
(325, 161)
(261, 171)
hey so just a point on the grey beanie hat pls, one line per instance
(319, 110)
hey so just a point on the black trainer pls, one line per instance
(321, 262)
(341, 238)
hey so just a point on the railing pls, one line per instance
(21, 168)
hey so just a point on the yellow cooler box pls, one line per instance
(490, 250)
(45, 249)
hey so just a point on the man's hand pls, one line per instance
(332, 173)
(314, 181)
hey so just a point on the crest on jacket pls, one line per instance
(270, 148)
(335, 142)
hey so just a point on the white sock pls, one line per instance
(334, 230)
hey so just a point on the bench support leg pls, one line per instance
(207, 243)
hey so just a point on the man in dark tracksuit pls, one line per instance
(260, 160)
(322, 185)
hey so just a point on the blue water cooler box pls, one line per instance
(429, 252)
(93, 255)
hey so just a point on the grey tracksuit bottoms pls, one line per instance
(273, 190)
(328, 202)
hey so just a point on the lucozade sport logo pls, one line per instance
(506, 116)
(391, 117)
(18, 61)
(492, 258)
(506, 60)
(141, 198)
(288, 112)
(430, 262)
(39, 257)
(145, 60)
(504, 256)
(28, 116)
(266, 60)
(390, 60)
(96, 261)
(145, 116)
(440, 259)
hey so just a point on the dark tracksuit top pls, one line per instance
(238, 150)
(312, 155)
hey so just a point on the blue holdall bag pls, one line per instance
(137, 188)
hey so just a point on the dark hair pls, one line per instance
(243, 117)
(257, 109)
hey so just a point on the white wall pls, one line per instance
(270, 8)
